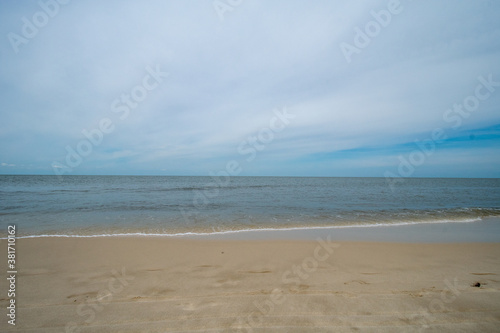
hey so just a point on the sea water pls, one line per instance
(164, 205)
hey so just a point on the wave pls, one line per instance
(246, 230)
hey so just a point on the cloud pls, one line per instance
(227, 76)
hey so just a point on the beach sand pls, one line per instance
(162, 284)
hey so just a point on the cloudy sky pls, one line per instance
(362, 88)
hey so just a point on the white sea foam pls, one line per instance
(224, 232)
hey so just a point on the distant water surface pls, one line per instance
(110, 205)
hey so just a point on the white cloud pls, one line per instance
(227, 76)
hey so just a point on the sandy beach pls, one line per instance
(162, 284)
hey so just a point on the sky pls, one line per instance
(253, 87)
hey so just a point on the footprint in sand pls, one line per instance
(226, 282)
(356, 281)
(188, 306)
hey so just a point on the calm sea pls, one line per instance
(111, 205)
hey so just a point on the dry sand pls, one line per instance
(161, 284)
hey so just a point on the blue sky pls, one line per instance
(184, 87)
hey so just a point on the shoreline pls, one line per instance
(480, 230)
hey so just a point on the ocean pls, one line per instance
(164, 205)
